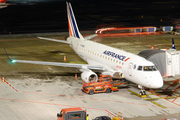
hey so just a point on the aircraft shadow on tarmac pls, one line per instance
(62, 52)
(12, 55)
(50, 74)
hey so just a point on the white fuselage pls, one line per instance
(115, 60)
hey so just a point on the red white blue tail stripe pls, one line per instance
(73, 28)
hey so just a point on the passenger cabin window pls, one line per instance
(140, 68)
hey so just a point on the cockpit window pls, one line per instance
(150, 68)
(140, 68)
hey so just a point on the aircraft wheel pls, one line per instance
(140, 93)
(144, 92)
(91, 92)
(108, 90)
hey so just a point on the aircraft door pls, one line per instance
(130, 68)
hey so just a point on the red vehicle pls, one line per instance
(104, 84)
(72, 114)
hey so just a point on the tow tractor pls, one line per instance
(104, 84)
(72, 113)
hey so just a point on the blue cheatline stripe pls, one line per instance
(73, 22)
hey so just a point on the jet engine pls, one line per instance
(89, 76)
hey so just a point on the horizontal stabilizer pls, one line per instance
(90, 36)
(55, 40)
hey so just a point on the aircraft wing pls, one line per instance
(55, 40)
(81, 66)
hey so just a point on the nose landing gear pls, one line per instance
(142, 92)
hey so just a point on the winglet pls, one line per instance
(8, 56)
(173, 45)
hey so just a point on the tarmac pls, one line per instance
(39, 92)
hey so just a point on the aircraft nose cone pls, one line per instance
(157, 82)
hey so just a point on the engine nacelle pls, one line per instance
(89, 76)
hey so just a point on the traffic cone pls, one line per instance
(3, 79)
(64, 58)
(75, 76)
(122, 118)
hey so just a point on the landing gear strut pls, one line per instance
(142, 91)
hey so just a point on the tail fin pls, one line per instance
(2, 1)
(73, 28)
(173, 45)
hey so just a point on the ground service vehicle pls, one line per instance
(72, 114)
(103, 84)
(102, 118)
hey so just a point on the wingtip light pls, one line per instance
(13, 61)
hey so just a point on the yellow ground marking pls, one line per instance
(161, 98)
(158, 104)
(133, 92)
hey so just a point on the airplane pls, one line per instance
(108, 60)
(3, 4)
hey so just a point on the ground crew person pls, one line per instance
(122, 78)
(87, 117)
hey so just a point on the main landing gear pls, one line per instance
(142, 92)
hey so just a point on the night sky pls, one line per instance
(36, 16)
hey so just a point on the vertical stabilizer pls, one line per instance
(173, 45)
(73, 28)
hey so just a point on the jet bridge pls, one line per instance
(167, 61)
